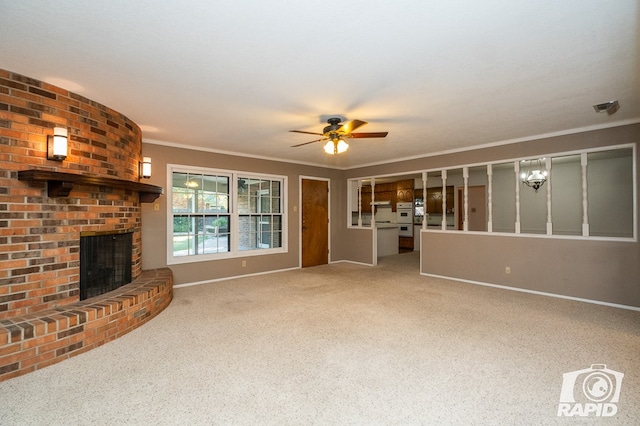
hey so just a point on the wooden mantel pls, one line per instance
(60, 184)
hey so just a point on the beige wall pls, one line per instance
(154, 222)
(597, 270)
(355, 245)
(589, 269)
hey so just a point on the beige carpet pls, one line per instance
(339, 344)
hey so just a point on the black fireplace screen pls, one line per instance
(105, 263)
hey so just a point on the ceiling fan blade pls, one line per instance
(369, 135)
(307, 133)
(307, 143)
(350, 126)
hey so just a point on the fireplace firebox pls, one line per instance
(105, 261)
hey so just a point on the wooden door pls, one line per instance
(477, 208)
(315, 222)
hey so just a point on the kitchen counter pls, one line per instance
(380, 225)
(384, 225)
(387, 237)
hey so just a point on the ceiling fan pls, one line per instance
(335, 133)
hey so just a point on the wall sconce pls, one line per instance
(145, 167)
(57, 144)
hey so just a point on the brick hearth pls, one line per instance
(35, 341)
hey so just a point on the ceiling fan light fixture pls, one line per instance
(342, 146)
(336, 146)
(335, 133)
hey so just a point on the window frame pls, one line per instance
(234, 215)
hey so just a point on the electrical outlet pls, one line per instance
(244, 263)
(156, 207)
(507, 269)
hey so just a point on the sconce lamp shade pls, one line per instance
(145, 167)
(57, 144)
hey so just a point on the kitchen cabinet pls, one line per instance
(406, 242)
(404, 196)
(385, 187)
(404, 184)
(433, 201)
(404, 191)
(391, 192)
(366, 201)
(385, 192)
(383, 196)
(365, 194)
(450, 199)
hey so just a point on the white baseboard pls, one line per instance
(232, 277)
(540, 293)
(351, 261)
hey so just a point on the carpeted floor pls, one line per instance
(339, 344)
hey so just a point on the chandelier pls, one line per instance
(534, 177)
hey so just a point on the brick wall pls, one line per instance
(40, 236)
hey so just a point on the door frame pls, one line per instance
(328, 180)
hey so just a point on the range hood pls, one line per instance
(381, 203)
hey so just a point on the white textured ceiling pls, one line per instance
(235, 76)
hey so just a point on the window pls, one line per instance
(200, 214)
(260, 217)
(219, 214)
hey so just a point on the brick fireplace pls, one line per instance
(46, 205)
(39, 234)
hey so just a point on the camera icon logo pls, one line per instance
(590, 391)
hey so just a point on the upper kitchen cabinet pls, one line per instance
(384, 192)
(404, 184)
(434, 200)
(384, 196)
(366, 198)
(404, 191)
